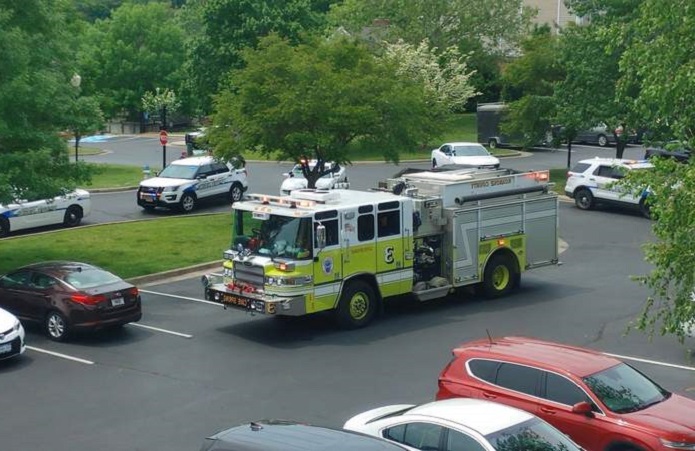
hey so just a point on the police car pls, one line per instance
(67, 209)
(593, 181)
(186, 181)
(295, 179)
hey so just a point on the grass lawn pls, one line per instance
(82, 151)
(128, 249)
(559, 177)
(115, 176)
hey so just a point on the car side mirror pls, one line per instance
(287, 174)
(583, 408)
(320, 236)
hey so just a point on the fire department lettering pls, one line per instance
(388, 254)
(493, 182)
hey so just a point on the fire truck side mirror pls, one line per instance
(320, 236)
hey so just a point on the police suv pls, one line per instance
(594, 181)
(184, 182)
(67, 209)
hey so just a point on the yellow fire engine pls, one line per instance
(423, 233)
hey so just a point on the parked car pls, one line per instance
(66, 208)
(460, 425)
(64, 296)
(185, 182)
(11, 336)
(295, 178)
(464, 153)
(674, 149)
(291, 436)
(594, 180)
(602, 403)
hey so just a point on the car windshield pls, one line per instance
(272, 235)
(84, 278)
(179, 171)
(470, 151)
(623, 389)
(531, 435)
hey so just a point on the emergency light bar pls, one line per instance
(281, 201)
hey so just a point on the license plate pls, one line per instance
(147, 197)
(235, 300)
(5, 348)
(117, 301)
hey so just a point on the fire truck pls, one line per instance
(422, 234)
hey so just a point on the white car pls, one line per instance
(67, 209)
(464, 153)
(460, 424)
(594, 180)
(295, 179)
(11, 336)
(186, 181)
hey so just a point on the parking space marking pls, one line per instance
(62, 356)
(652, 362)
(178, 334)
(181, 297)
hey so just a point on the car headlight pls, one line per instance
(17, 325)
(173, 189)
(677, 445)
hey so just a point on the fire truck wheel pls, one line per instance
(357, 305)
(500, 276)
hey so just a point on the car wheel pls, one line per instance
(73, 216)
(583, 199)
(56, 326)
(434, 163)
(357, 305)
(500, 276)
(492, 143)
(236, 192)
(645, 209)
(4, 227)
(187, 204)
(602, 140)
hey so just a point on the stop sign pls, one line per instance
(163, 137)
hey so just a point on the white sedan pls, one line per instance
(464, 153)
(459, 424)
(11, 335)
(295, 179)
(67, 209)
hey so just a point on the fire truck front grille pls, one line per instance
(250, 274)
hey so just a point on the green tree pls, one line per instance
(84, 118)
(35, 95)
(220, 29)
(137, 49)
(324, 99)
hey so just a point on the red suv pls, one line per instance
(602, 403)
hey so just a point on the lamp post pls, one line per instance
(75, 81)
(164, 128)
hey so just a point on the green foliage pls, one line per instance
(672, 281)
(136, 50)
(221, 29)
(324, 99)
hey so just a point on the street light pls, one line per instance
(75, 81)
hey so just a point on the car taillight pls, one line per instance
(134, 292)
(86, 299)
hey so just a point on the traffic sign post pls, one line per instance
(164, 139)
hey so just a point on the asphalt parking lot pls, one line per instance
(190, 368)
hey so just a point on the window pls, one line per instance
(331, 231)
(43, 281)
(580, 167)
(458, 441)
(604, 171)
(205, 170)
(16, 280)
(484, 369)
(518, 378)
(396, 433)
(219, 168)
(562, 390)
(389, 223)
(365, 227)
(423, 436)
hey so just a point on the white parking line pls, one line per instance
(62, 356)
(178, 334)
(652, 362)
(181, 297)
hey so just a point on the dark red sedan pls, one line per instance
(602, 403)
(67, 296)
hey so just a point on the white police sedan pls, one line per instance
(67, 209)
(295, 179)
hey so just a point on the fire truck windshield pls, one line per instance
(277, 236)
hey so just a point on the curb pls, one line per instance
(173, 273)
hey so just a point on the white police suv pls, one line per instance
(67, 209)
(184, 182)
(594, 180)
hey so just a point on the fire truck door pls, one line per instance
(389, 248)
(328, 263)
(358, 240)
